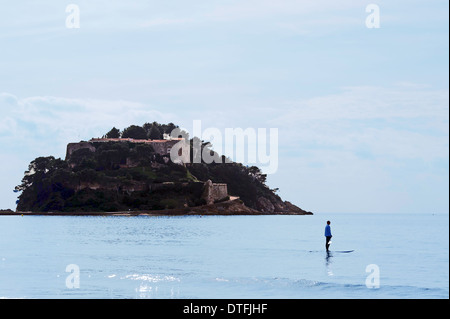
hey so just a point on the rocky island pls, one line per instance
(130, 172)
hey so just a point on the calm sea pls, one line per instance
(394, 256)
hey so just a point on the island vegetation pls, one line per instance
(126, 176)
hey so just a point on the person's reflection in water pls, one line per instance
(328, 262)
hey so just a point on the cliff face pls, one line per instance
(121, 176)
(277, 206)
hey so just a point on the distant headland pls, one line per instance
(130, 172)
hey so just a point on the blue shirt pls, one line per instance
(327, 231)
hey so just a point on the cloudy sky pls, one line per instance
(362, 113)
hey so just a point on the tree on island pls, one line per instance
(114, 133)
(154, 133)
(134, 131)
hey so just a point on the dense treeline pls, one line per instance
(153, 131)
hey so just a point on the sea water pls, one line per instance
(394, 256)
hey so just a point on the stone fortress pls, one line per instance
(212, 192)
(162, 147)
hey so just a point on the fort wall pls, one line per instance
(213, 192)
(162, 147)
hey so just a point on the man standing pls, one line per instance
(327, 235)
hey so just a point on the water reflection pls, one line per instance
(328, 262)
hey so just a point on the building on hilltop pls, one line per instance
(162, 147)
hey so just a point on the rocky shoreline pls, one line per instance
(230, 207)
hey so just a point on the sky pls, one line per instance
(362, 113)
